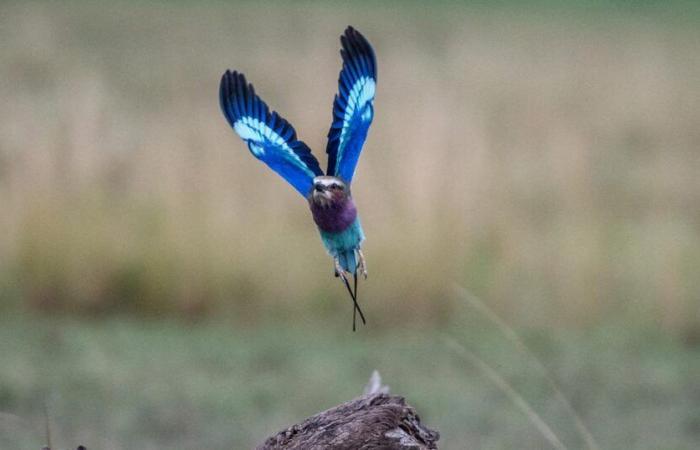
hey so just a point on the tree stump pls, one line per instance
(373, 421)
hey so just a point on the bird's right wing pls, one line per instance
(353, 107)
(270, 138)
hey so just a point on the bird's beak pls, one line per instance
(319, 191)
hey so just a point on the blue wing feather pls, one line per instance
(270, 138)
(353, 107)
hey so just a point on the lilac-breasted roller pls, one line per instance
(273, 140)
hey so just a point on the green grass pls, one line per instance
(126, 384)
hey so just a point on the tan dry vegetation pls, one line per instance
(548, 164)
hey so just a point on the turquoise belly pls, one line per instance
(343, 245)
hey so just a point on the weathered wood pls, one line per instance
(372, 422)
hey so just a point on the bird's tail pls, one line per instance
(348, 261)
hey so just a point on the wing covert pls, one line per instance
(270, 137)
(353, 106)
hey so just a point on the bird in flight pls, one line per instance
(273, 140)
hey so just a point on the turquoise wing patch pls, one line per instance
(353, 107)
(270, 137)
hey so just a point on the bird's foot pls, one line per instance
(362, 264)
(339, 272)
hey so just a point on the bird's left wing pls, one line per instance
(270, 138)
(353, 107)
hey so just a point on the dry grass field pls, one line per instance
(548, 161)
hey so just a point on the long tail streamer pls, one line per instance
(356, 306)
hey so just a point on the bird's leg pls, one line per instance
(362, 264)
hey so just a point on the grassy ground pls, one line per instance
(124, 384)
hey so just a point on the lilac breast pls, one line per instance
(335, 217)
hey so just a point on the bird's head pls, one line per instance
(329, 190)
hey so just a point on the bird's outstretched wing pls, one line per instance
(270, 138)
(353, 107)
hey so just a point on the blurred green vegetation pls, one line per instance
(125, 384)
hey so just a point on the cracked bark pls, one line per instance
(373, 421)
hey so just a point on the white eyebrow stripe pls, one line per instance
(327, 182)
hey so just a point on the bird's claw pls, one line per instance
(339, 272)
(362, 264)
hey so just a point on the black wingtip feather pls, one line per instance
(358, 47)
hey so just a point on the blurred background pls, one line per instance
(160, 288)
